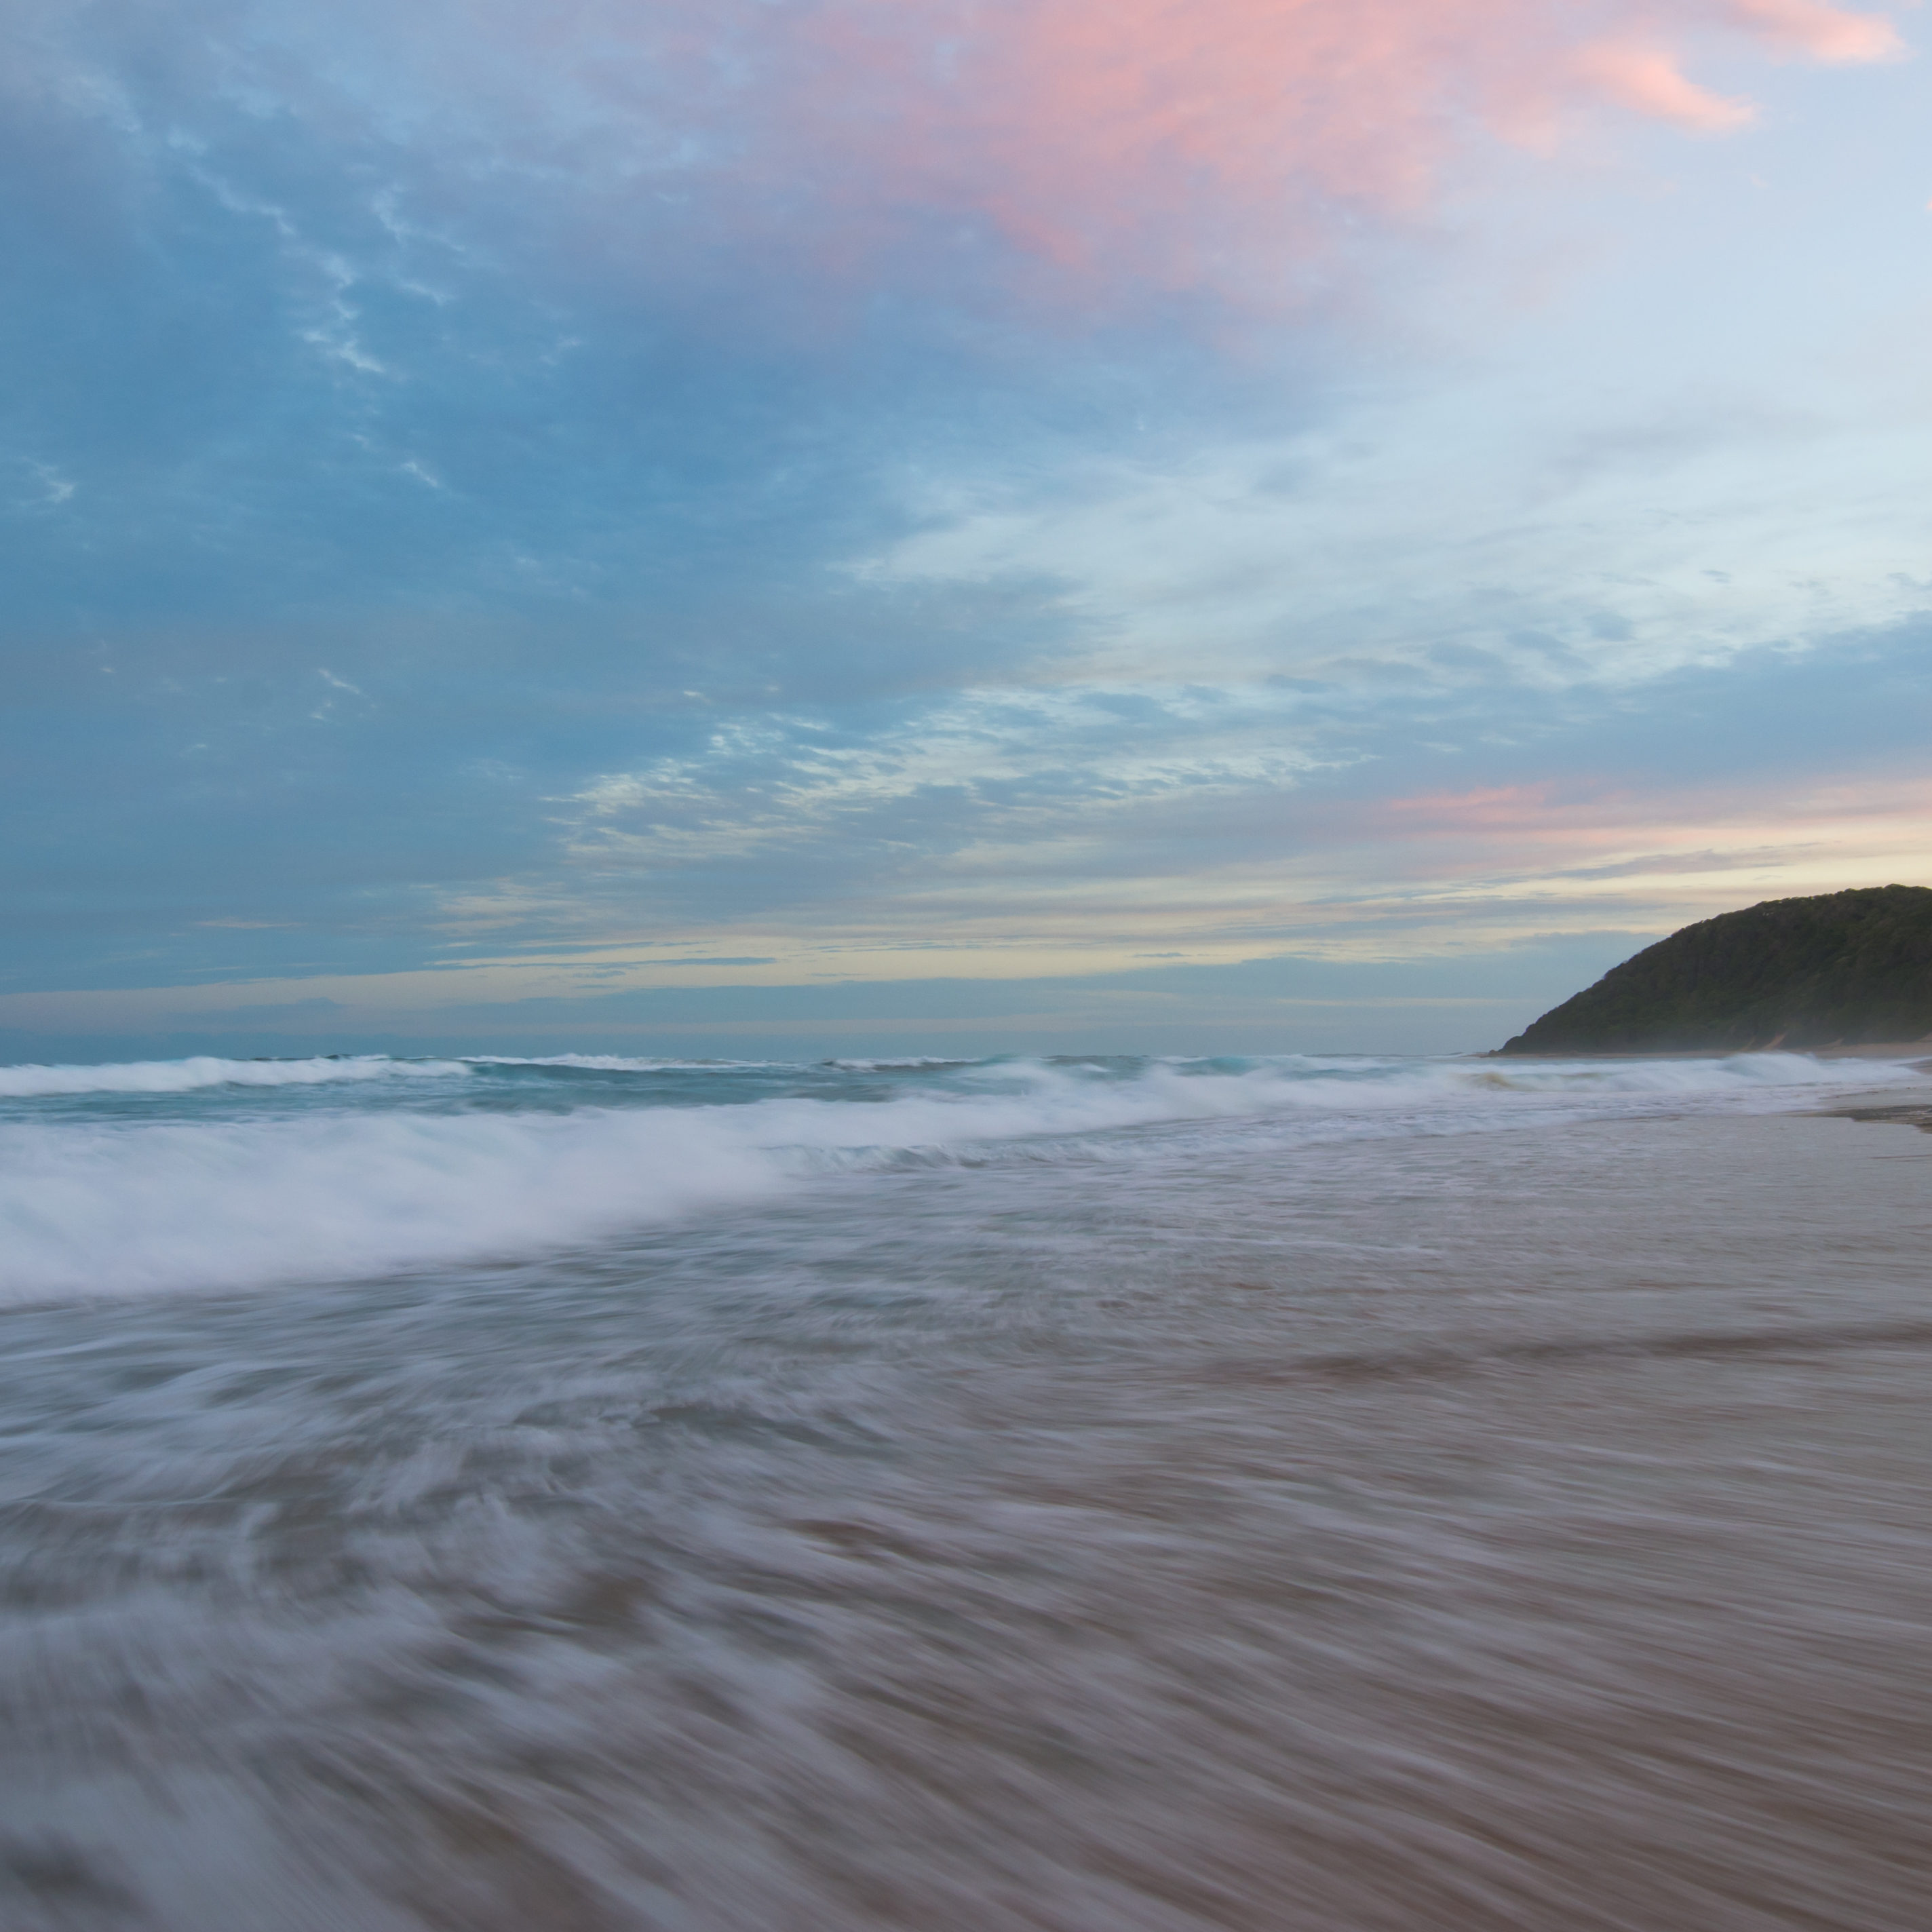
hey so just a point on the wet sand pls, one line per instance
(1517, 1530)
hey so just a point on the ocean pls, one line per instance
(591, 1494)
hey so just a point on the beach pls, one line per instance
(1351, 1497)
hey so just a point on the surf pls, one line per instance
(357, 1185)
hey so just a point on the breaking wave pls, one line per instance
(613, 1063)
(116, 1207)
(183, 1076)
(910, 1063)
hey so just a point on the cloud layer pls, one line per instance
(532, 500)
(1095, 149)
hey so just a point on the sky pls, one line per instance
(796, 527)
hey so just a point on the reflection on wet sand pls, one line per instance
(1510, 1530)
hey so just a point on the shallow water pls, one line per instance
(1253, 1494)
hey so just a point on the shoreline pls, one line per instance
(1327, 1523)
(1914, 1053)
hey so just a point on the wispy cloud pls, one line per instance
(1014, 764)
(1117, 146)
(861, 490)
(1510, 524)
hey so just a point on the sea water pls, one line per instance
(585, 1493)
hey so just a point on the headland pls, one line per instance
(1845, 972)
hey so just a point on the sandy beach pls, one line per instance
(1468, 1519)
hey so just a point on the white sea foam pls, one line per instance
(909, 1063)
(182, 1076)
(109, 1208)
(614, 1063)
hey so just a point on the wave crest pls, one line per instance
(121, 1208)
(183, 1076)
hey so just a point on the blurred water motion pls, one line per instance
(1439, 1529)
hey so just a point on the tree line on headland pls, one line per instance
(1844, 969)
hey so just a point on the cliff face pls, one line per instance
(1841, 970)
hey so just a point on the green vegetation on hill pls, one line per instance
(1842, 970)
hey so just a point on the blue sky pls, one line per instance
(769, 527)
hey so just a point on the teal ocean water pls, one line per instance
(180, 1175)
(592, 1492)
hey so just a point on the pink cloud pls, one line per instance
(1503, 807)
(1235, 146)
(1225, 143)
(1645, 78)
(1579, 821)
(1819, 32)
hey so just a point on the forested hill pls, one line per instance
(1842, 970)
